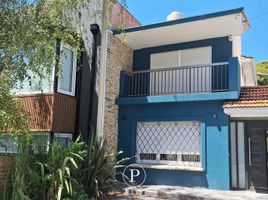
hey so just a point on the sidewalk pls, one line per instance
(182, 193)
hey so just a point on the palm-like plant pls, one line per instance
(77, 172)
(99, 169)
(56, 173)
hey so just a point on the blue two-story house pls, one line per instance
(171, 118)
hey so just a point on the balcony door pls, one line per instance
(180, 71)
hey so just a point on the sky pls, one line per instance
(254, 41)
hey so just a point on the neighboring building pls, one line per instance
(170, 111)
(62, 106)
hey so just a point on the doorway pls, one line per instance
(249, 154)
(257, 154)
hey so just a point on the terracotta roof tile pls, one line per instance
(250, 97)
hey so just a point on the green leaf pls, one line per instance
(67, 186)
(60, 175)
(59, 192)
(73, 162)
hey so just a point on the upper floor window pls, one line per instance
(67, 71)
(185, 57)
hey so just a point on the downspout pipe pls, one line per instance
(102, 86)
(94, 28)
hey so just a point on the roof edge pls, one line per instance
(179, 21)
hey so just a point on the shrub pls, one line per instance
(98, 169)
(78, 172)
(45, 176)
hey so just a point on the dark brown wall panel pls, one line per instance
(64, 113)
(50, 112)
(39, 109)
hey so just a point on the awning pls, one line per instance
(220, 24)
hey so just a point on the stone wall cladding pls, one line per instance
(6, 165)
(119, 58)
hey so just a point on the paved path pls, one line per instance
(183, 193)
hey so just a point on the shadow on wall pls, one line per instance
(49, 112)
(87, 110)
(39, 110)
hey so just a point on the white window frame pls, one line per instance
(69, 136)
(178, 162)
(72, 93)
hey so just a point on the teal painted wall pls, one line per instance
(214, 142)
(172, 98)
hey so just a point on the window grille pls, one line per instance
(8, 145)
(176, 142)
(63, 139)
(40, 143)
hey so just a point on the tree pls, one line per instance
(29, 29)
(262, 68)
(28, 33)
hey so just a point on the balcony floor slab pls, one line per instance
(173, 98)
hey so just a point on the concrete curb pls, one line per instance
(183, 193)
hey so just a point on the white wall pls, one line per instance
(247, 69)
(248, 72)
(237, 46)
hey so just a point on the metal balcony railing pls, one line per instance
(177, 80)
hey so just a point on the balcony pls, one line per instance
(184, 82)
